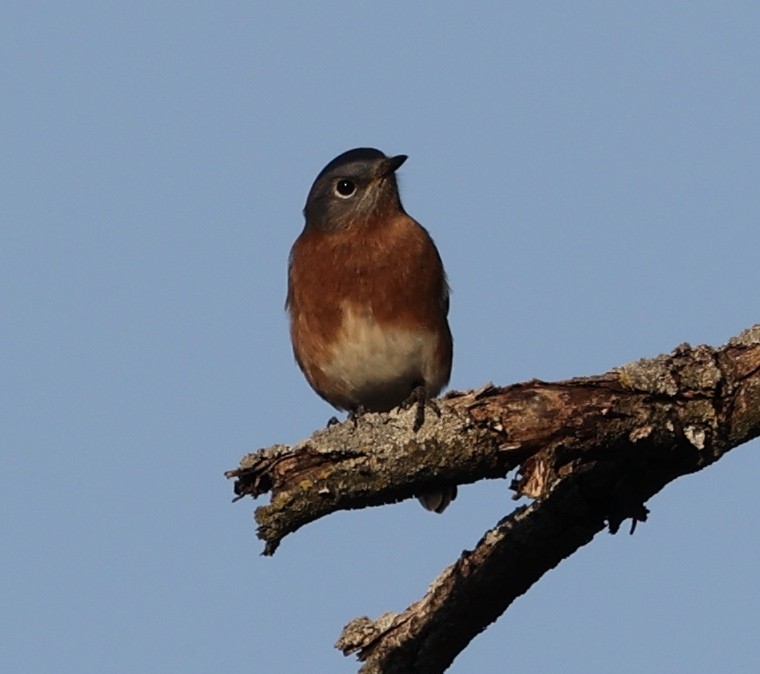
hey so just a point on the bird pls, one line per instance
(368, 297)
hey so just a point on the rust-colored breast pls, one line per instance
(390, 273)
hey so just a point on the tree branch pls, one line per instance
(590, 451)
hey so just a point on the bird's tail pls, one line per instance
(438, 501)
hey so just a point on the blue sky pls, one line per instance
(590, 174)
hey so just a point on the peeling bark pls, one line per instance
(590, 452)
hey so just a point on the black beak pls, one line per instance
(391, 164)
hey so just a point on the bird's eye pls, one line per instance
(344, 188)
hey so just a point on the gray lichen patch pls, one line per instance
(748, 337)
(652, 375)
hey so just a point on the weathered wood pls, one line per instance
(590, 451)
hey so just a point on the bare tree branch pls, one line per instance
(590, 451)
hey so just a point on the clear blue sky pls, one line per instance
(590, 173)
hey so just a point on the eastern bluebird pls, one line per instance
(367, 295)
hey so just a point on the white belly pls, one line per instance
(378, 368)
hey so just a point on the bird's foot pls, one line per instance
(420, 399)
(356, 413)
